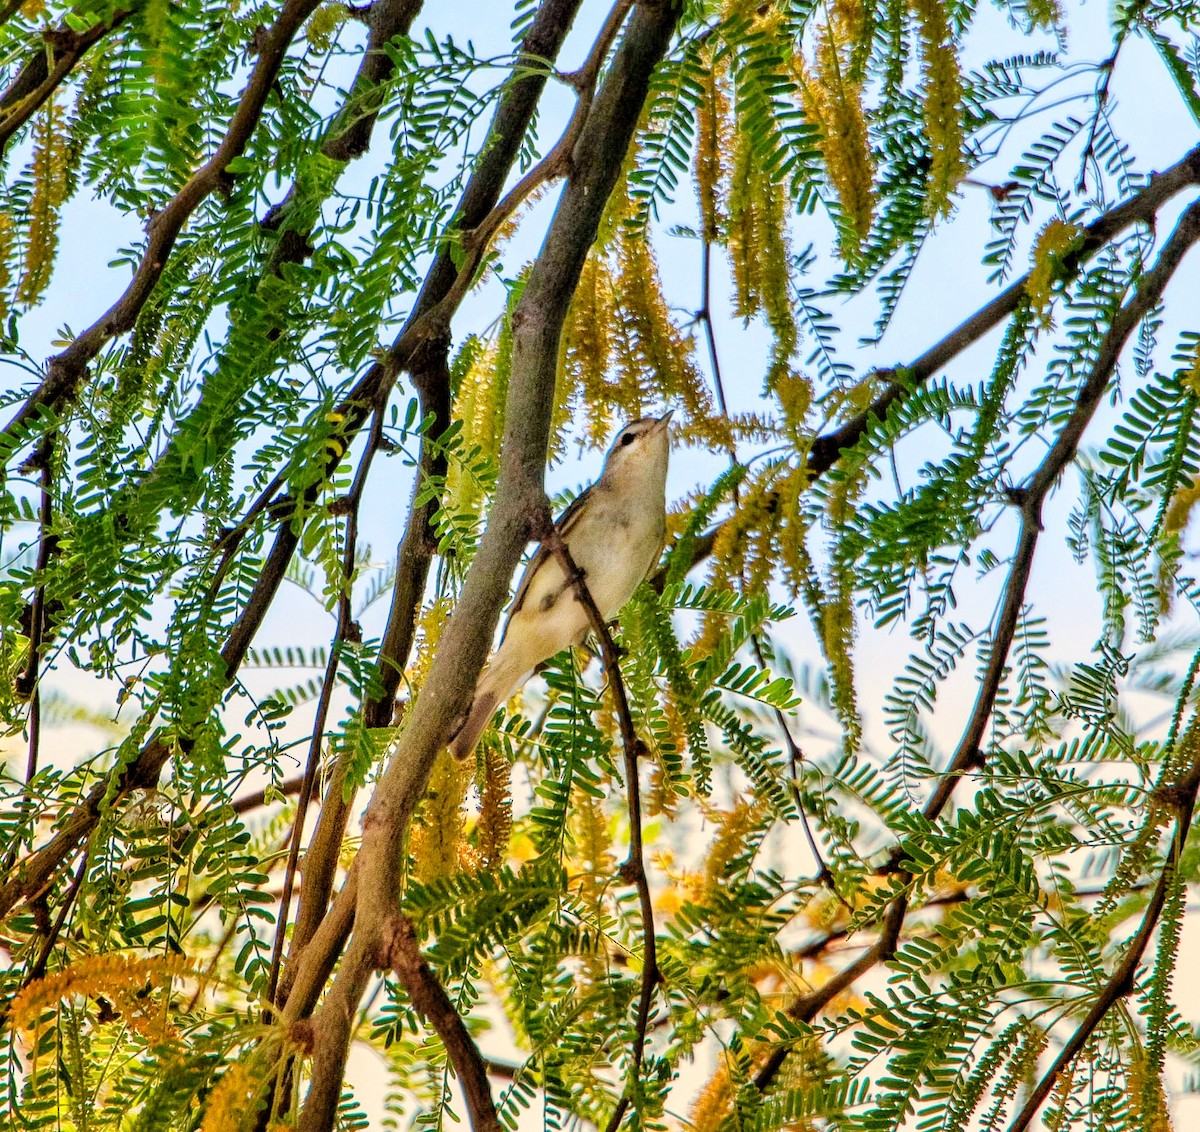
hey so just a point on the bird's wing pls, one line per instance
(564, 523)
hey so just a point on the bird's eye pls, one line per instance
(627, 439)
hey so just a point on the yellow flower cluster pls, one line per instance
(495, 805)
(1054, 241)
(943, 105)
(437, 842)
(49, 169)
(233, 1098)
(122, 979)
(323, 23)
(714, 142)
(621, 351)
(1150, 1109)
(1043, 14)
(759, 253)
(593, 840)
(7, 232)
(833, 103)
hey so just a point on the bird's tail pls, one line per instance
(502, 677)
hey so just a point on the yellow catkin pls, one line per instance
(474, 405)
(109, 975)
(593, 867)
(233, 1099)
(122, 979)
(792, 528)
(759, 254)
(593, 842)
(714, 142)
(323, 23)
(654, 346)
(943, 106)
(733, 827)
(7, 231)
(1176, 519)
(794, 392)
(1148, 1105)
(1054, 241)
(31, 9)
(1179, 512)
(437, 834)
(833, 103)
(741, 232)
(712, 1104)
(49, 173)
(429, 628)
(495, 805)
(588, 344)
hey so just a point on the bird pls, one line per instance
(615, 530)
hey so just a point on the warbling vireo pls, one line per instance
(615, 532)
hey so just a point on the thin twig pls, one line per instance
(634, 868)
(253, 801)
(27, 684)
(795, 755)
(37, 871)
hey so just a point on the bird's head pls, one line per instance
(640, 448)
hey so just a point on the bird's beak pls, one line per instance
(663, 421)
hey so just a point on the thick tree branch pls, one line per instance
(429, 997)
(66, 370)
(537, 326)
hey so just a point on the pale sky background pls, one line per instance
(948, 285)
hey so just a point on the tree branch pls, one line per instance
(542, 41)
(47, 66)
(430, 998)
(36, 873)
(827, 449)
